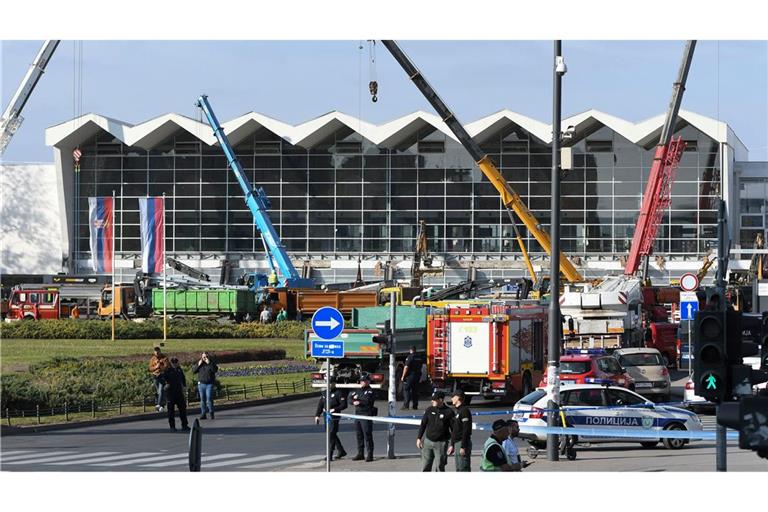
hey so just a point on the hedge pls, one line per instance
(187, 328)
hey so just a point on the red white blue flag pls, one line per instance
(100, 216)
(152, 218)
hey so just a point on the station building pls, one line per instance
(347, 194)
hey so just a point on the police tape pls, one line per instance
(531, 430)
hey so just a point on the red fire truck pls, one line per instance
(495, 351)
(38, 303)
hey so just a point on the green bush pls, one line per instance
(186, 328)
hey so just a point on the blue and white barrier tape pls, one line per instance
(628, 433)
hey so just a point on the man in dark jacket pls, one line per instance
(461, 434)
(436, 424)
(338, 404)
(363, 400)
(206, 376)
(410, 379)
(175, 388)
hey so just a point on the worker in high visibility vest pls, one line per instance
(494, 458)
(272, 279)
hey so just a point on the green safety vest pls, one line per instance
(485, 464)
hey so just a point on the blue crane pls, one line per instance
(259, 204)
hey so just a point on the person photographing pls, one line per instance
(206, 377)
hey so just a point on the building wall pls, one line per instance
(30, 227)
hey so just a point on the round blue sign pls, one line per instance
(327, 323)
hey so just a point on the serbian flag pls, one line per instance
(152, 218)
(100, 216)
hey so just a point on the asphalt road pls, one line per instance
(283, 436)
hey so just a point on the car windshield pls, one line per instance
(640, 360)
(532, 398)
(571, 367)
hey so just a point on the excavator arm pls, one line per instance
(509, 197)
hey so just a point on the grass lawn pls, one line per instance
(16, 354)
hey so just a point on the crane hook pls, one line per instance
(373, 86)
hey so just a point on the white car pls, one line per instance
(600, 407)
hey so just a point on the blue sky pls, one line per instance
(297, 80)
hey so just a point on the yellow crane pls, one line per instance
(509, 197)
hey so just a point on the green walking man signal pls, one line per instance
(711, 382)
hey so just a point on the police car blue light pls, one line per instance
(605, 408)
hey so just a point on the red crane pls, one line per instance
(656, 198)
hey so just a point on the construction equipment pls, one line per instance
(509, 197)
(259, 204)
(186, 269)
(658, 190)
(11, 120)
(422, 260)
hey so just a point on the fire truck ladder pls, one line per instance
(440, 352)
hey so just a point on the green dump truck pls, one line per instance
(363, 355)
(232, 302)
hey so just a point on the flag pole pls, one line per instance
(114, 284)
(165, 283)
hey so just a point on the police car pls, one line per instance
(594, 406)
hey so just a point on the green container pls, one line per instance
(408, 317)
(205, 302)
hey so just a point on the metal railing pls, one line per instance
(85, 409)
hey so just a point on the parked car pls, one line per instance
(647, 367)
(591, 366)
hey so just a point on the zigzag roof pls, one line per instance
(391, 134)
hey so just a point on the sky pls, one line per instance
(295, 81)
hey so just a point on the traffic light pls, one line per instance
(750, 417)
(385, 335)
(710, 359)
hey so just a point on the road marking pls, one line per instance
(49, 460)
(104, 459)
(145, 459)
(202, 459)
(32, 455)
(283, 462)
(245, 461)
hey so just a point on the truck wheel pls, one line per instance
(28, 317)
(674, 444)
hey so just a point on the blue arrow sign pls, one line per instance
(688, 310)
(327, 349)
(327, 323)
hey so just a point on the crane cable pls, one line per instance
(373, 85)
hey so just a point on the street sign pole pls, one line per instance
(690, 351)
(392, 378)
(328, 415)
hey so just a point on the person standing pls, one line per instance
(282, 316)
(510, 447)
(410, 379)
(266, 315)
(176, 389)
(494, 458)
(363, 400)
(435, 433)
(461, 433)
(338, 403)
(206, 377)
(157, 365)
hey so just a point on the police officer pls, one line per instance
(410, 379)
(494, 458)
(363, 400)
(435, 433)
(338, 403)
(461, 433)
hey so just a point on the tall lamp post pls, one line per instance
(555, 326)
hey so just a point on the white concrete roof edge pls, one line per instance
(129, 134)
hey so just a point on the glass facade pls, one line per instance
(753, 206)
(347, 195)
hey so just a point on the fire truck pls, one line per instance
(492, 351)
(37, 303)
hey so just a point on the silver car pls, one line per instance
(646, 366)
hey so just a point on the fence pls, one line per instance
(84, 410)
